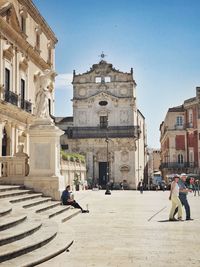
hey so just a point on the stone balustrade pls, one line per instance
(13, 169)
(72, 170)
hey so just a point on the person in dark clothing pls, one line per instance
(183, 191)
(140, 186)
(66, 199)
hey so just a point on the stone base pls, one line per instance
(49, 186)
(12, 180)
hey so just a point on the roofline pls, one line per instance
(34, 12)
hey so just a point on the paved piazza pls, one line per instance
(128, 229)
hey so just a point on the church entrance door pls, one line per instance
(102, 174)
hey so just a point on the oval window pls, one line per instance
(103, 103)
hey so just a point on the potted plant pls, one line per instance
(77, 182)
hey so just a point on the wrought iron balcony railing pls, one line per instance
(97, 132)
(11, 97)
(26, 105)
(176, 165)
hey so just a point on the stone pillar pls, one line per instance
(12, 139)
(1, 136)
(44, 176)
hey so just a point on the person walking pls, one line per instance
(183, 191)
(174, 197)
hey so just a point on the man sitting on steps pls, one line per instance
(66, 199)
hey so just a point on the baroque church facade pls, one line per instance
(106, 126)
(27, 47)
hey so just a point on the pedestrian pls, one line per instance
(183, 191)
(140, 186)
(174, 197)
(67, 199)
(197, 186)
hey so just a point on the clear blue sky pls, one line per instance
(160, 39)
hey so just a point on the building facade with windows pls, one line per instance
(106, 125)
(26, 48)
(180, 137)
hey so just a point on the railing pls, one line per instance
(16, 166)
(97, 132)
(176, 165)
(26, 105)
(11, 97)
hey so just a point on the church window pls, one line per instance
(98, 79)
(103, 103)
(103, 121)
(107, 79)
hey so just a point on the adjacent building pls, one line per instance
(26, 48)
(106, 126)
(180, 138)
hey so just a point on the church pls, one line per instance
(106, 127)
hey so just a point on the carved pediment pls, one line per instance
(7, 10)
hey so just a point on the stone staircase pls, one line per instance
(31, 227)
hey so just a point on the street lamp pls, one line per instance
(107, 164)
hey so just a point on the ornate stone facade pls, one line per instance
(107, 125)
(26, 49)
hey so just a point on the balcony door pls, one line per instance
(22, 93)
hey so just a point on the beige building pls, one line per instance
(179, 137)
(106, 126)
(26, 48)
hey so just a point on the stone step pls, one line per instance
(5, 209)
(20, 231)
(25, 198)
(12, 193)
(9, 187)
(36, 202)
(13, 219)
(44, 207)
(58, 245)
(23, 246)
(63, 217)
(56, 211)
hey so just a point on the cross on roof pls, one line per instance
(102, 55)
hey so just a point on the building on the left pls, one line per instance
(27, 46)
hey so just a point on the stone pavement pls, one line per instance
(128, 229)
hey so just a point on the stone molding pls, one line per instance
(35, 14)
(23, 45)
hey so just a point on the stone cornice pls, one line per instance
(15, 113)
(23, 45)
(34, 12)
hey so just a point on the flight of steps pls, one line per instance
(31, 227)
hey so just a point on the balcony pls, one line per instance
(176, 165)
(97, 132)
(26, 105)
(11, 97)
